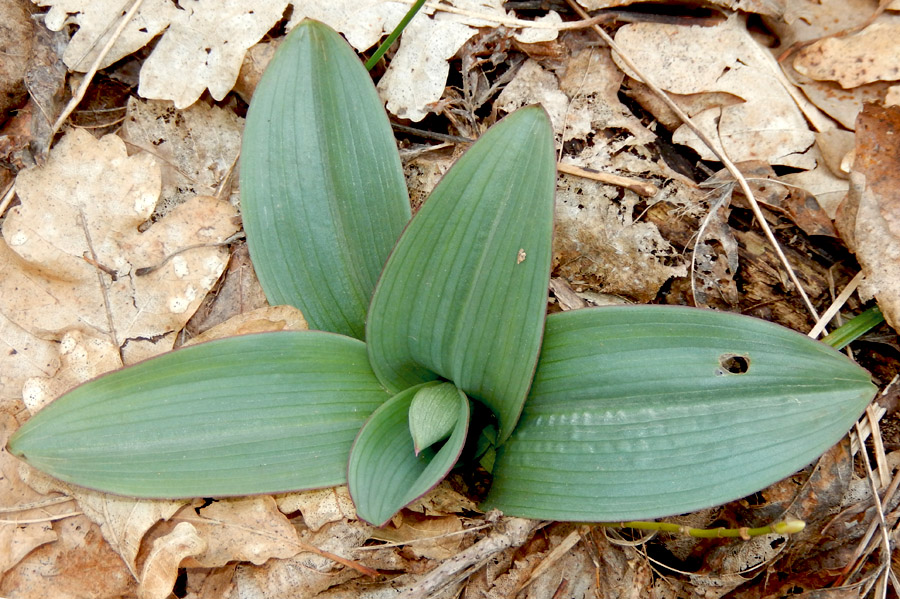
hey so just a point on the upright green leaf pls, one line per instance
(433, 414)
(647, 411)
(384, 473)
(323, 195)
(254, 414)
(463, 294)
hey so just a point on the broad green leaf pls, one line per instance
(384, 473)
(323, 195)
(464, 293)
(254, 414)
(646, 411)
(433, 414)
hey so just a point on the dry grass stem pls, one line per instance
(835, 306)
(642, 188)
(89, 76)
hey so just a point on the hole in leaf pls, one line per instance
(733, 364)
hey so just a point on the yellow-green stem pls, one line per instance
(785, 527)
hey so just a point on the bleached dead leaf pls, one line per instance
(766, 126)
(319, 506)
(70, 251)
(203, 48)
(418, 71)
(853, 60)
(161, 567)
(96, 21)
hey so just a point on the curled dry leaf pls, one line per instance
(161, 567)
(319, 506)
(870, 222)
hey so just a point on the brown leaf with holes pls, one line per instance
(71, 251)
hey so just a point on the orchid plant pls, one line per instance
(433, 347)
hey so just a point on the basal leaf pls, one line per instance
(323, 195)
(463, 295)
(254, 414)
(384, 473)
(647, 411)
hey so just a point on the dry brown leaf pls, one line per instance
(161, 567)
(122, 521)
(81, 357)
(261, 320)
(70, 251)
(853, 60)
(766, 126)
(22, 355)
(80, 565)
(246, 529)
(311, 573)
(875, 234)
(428, 537)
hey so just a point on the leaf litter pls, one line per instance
(102, 208)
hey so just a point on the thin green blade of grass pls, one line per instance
(852, 330)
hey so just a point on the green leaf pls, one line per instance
(384, 473)
(323, 195)
(254, 414)
(464, 293)
(647, 411)
(433, 414)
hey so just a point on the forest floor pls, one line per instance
(120, 139)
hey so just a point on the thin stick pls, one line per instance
(642, 188)
(39, 520)
(89, 76)
(726, 162)
(835, 306)
(24, 507)
(7, 198)
(879, 510)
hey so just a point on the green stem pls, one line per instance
(784, 527)
(394, 35)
